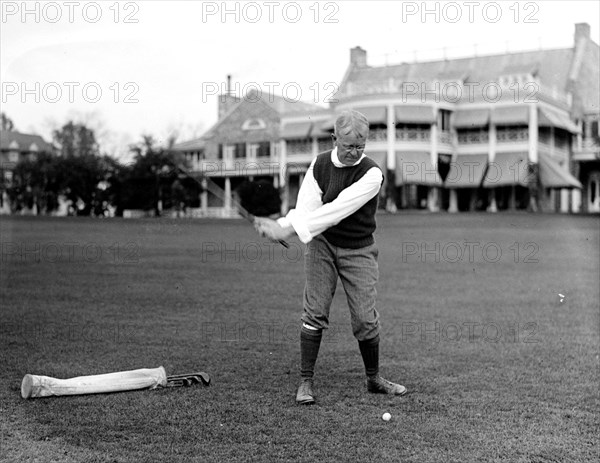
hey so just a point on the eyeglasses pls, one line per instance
(349, 149)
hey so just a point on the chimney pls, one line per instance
(227, 99)
(358, 57)
(582, 31)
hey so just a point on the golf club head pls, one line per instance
(188, 379)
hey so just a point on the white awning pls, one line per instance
(551, 118)
(466, 171)
(470, 118)
(511, 115)
(296, 130)
(416, 168)
(411, 114)
(507, 169)
(317, 130)
(374, 114)
(328, 125)
(552, 175)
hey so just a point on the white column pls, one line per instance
(492, 143)
(432, 197)
(533, 153)
(204, 197)
(283, 177)
(227, 204)
(564, 200)
(533, 134)
(391, 138)
(491, 157)
(576, 200)
(453, 206)
(433, 146)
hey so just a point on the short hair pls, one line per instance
(351, 121)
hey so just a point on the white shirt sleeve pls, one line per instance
(311, 217)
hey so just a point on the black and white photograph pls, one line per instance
(298, 231)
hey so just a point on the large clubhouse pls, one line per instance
(500, 132)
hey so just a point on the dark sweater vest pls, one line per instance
(356, 230)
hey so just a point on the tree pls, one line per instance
(76, 140)
(80, 174)
(36, 181)
(148, 181)
(7, 123)
(79, 179)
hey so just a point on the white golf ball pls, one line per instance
(386, 417)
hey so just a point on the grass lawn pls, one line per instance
(490, 321)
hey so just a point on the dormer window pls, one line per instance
(254, 124)
(520, 79)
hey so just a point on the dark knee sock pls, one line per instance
(369, 349)
(310, 341)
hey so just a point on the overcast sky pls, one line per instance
(130, 68)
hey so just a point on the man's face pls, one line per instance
(350, 146)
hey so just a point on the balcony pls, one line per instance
(238, 167)
(590, 144)
(590, 150)
(473, 138)
(510, 135)
(298, 147)
(413, 135)
(554, 150)
(445, 137)
(324, 144)
(376, 135)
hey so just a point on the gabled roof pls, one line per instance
(196, 144)
(10, 140)
(551, 67)
(274, 102)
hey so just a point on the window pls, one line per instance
(220, 153)
(228, 152)
(253, 124)
(240, 150)
(264, 149)
(298, 146)
(252, 149)
(444, 120)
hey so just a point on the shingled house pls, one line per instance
(247, 143)
(15, 146)
(508, 131)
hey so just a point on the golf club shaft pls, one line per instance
(216, 190)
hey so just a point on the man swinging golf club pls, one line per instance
(335, 217)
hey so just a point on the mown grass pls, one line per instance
(498, 365)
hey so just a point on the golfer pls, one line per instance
(335, 217)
